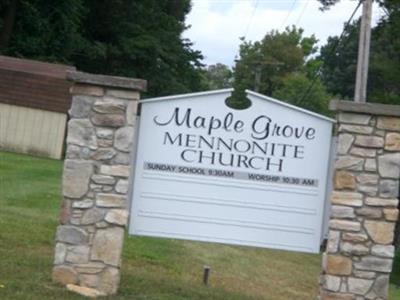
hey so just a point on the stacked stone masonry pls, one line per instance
(95, 188)
(359, 255)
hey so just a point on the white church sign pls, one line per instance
(208, 172)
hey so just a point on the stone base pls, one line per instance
(95, 183)
(84, 291)
(359, 255)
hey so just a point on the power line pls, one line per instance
(333, 49)
(251, 18)
(302, 13)
(288, 14)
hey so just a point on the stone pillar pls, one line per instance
(359, 255)
(95, 182)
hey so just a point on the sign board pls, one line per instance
(208, 172)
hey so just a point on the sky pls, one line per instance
(217, 25)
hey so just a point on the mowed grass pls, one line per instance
(159, 269)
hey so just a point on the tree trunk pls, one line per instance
(9, 19)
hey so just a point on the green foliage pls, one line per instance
(339, 62)
(46, 32)
(279, 65)
(278, 54)
(122, 37)
(339, 67)
(326, 4)
(395, 276)
(384, 74)
(143, 39)
(294, 89)
(218, 76)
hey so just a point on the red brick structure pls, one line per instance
(34, 102)
(34, 84)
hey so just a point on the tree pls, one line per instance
(267, 65)
(384, 75)
(294, 89)
(263, 65)
(35, 29)
(326, 4)
(218, 76)
(339, 62)
(143, 39)
(121, 37)
(339, 67)
(8, 9)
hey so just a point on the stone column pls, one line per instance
(359, 255)
(95, 182)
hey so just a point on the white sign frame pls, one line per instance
(214, 208)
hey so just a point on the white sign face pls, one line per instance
(253, 177)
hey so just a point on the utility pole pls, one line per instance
(258, 70)
(360, 93)
(257, 80)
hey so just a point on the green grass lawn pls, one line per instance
(153, 269)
